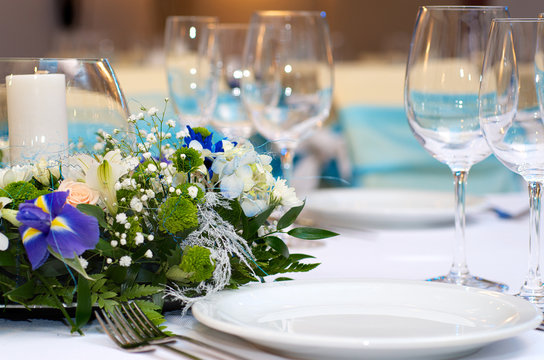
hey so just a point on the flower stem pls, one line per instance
(59, 304)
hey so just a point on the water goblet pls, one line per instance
(230, 116)
(441, 102)
(191, 67)
(287, 77)
(511, 116)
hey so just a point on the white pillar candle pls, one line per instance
(37, 123)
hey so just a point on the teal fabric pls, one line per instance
(385, 153)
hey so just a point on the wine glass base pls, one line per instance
(472, 281)
(534, 296)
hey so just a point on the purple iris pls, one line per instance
(48, 221)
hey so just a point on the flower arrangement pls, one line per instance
(157, 215)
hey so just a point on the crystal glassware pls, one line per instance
(441, 102)
(511, 109)
(50, 108)
(287, 77)
(230, 116)
(191, 67)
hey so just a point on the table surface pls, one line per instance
(496, 249)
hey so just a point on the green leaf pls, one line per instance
(308, 233)
(6, 259)
(73, 263)
(176, 274)
(290, 216)
(21, 293)
(256, 222)
(84, 304)
(277, 244)
(283, 278)
(138, 291)
(94, 211)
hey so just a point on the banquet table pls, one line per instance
(497, 249)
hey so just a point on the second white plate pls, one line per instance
(367, 319)
(384, 208)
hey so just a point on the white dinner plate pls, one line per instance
(367, 318)
(384, 208)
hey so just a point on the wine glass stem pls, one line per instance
(533, 282)
(287, 156)
(459, 269)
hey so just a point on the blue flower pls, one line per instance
(206, 141)
(49, 222)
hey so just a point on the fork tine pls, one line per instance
(124, 327)
(109, 329)
(144, 320)
(152, 327)
(141, 321)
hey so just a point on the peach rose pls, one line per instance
(79, 193)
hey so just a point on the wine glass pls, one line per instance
(230, 116)
(191, 67)
(511, 119)
(441, 102)
(287, 78)
(51, 107)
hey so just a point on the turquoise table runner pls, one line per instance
(385, 153)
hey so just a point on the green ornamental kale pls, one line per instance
(20, 191)
(202, 131)
(186, 159)
(196, 261)
(177, 214)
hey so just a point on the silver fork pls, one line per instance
(129, 338)
(131, 315)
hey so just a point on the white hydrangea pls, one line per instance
(99, 146)
(139, 239)
(171, 123)
(146, 155)
(193, 191)
(152, 111)
(150, 193)
(84, 263)
(114, 243)
(148, 254)
(151, 138)
(4, 242)
(121, 218)
(125, 261)
(136, 204)
(151, 168)
(284, 194)
(181, 134)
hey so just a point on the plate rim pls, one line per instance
(260, 335)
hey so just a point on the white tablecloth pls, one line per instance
(496, 249)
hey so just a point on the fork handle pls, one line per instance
(210, 346)
(178, 351)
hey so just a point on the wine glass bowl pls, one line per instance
(287, 77)
(191, 67)
(441, 102)
(230, 116)
(511, 117)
